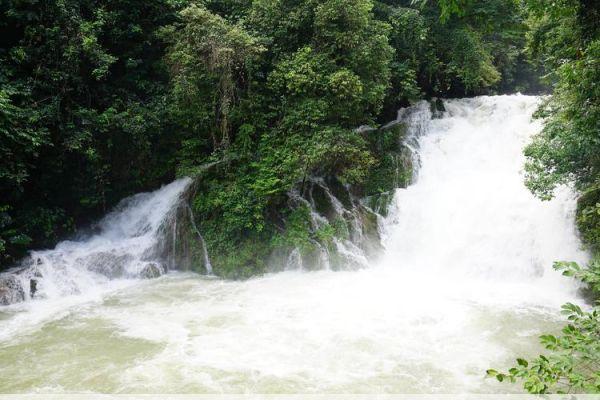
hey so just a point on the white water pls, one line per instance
(466, 284)
(78, 271)
(469, 215)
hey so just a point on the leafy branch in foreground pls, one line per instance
(574, 362)
(589, 275)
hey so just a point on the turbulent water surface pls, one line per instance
(465, 284)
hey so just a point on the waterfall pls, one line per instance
(205, 256)
(469, 208)
(125, 247)
(464, 283)
(353, 249)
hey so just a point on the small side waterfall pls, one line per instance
(343, 231)
(355, 219)
(205, 257)
(146, 235)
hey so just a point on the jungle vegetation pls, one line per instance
(103, 99)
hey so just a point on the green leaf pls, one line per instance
(522, 362)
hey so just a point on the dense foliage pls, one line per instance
(101, 99)
(81, 113)
(568, 149)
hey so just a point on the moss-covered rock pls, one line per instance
(394, 168)
(182, 246)
(241, 259)
(393, 171)
(322, 201)
(371, 238)
(380, 203)
(340, 191)
(312, 257)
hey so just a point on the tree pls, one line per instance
(209, 61)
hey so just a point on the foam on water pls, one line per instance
(466, 284)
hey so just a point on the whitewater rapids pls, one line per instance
(465, 284)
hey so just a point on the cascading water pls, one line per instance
(349, 252)
(470, 208)
(125, 247)
(465, 284)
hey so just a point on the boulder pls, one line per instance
(11, 290)
(151, 270)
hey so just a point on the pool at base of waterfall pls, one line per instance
(369, 331)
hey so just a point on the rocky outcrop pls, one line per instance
(342, 232)
(343, 220)
(182, 246)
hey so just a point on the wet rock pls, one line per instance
(32, 287)
(151, 270)
(107, 264)
(311, 258)
(278, 259)
(11, 290)
(380, 203)
(340, 191)
(322, 202)
(371, 238)
(182, 246)
(437, 107)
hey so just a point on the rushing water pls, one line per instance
(465, 284)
